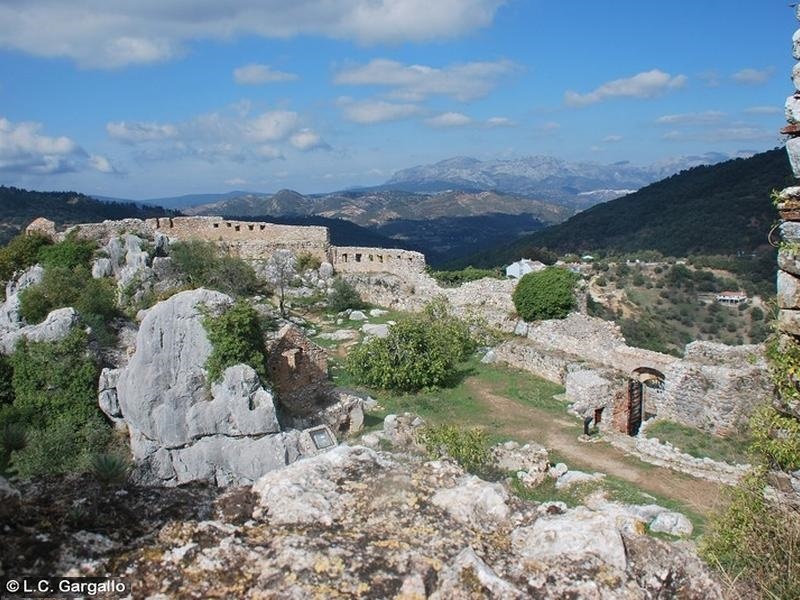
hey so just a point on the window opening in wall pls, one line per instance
(344, 257)
(228, 224)
(262, 227)
(371, 259)
(216, 225)
(250, 227)
(380, 258)
(238, 228)
(358, 257)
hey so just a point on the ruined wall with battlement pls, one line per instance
(248, 239)
(354, 259)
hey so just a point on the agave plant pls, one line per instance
(110, 469)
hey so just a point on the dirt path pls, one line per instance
(559, 434)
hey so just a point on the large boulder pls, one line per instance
(55, 327)
(183, 427)
(10, 318)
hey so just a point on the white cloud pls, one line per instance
(236, 181)
(25, 150)
(449, 119)
(753, 76)
(499, 122)
(697, 118)
(734, 132)
(272, 125)
(306, 139)
(549, 126)
(101, 164)
(259, 74)
(115, 33)
(612, 139)
(369, 112)
(648, 84)
(233, 134)
(413, 83)
(133, 133)
(764, 110)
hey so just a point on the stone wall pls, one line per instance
(248, 239)
(355, 259)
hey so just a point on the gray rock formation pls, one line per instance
(474, 502)
(9, 310)
(672, 523)
(181, 428)
(55, 327)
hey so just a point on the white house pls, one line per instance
(523, 267)
(731, 297)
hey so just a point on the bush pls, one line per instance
(236, 337)
(21, 253)
(344, 296)
(55, 402)
(456, 278)
(776, 438)
(468, 447)
(419, 352)
(202, 264)
(307, 261)
(94, 299)
(547, 294)
(72, 252)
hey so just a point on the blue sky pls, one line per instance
(148, 98)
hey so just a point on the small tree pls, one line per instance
(344, 296)
(280, 270)
(236, 336)
(547, 294)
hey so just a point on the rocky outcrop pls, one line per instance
(55, 327)
(10, 318)
(182, 428)
(351, 522)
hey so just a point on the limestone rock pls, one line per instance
(789, 321)
(793, 109)
(474, 502)
(793, 150)
(796, 76)
(307, 492)
(377, 312)
(339, 335)
(380, 331)
(512, 457)
(357, 315)
(788, 290)
(55, 327)
(165, 376)
(490, 357)
(468, 576)
(43, 226)
(107, 394)
(9, 498)
(673, 523)
(401, 430)
(796, 45)
(102, 267)
(789, 261)
(325, 270)
(571, 478)
(576, 534)
(9, 310)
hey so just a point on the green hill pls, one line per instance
(723, 209)
(19, 207)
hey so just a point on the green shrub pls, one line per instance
(236, 336)
(547, 294)
(306, 261)
(776, 437)
(21, 253)
(55, 402)
(344, 296)
(202, 264)
(72, 252)
(419, 352)
(456, 278)
(755, 542)
(94, 299)
(110, 469)
(468, 447)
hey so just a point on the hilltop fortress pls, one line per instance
(714, 387)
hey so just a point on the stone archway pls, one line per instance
(630, 411)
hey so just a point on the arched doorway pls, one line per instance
(640, 379)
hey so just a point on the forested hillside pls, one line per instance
(19, 207)
(723, 209)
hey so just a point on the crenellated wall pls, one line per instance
(355, 259)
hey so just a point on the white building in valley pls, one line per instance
(523, 267)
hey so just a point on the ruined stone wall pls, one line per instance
(104, 231)
(247, 239)
(542, 362)
(355, 259)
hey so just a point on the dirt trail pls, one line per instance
(558, 434)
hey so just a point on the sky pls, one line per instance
(153, 98)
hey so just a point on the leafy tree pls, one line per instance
(344, 296)
(547, 294)
(281, 269)
(236, 337)
(419, 352)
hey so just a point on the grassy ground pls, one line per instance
(701, 444)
